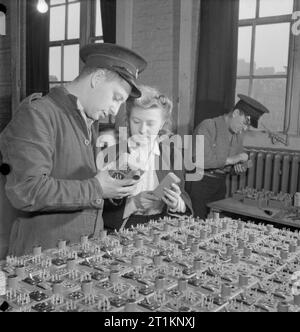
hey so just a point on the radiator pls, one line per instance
(272, 170)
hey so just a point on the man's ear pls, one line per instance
(235, 113)
(97, 78)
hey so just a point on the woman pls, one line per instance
(148, 118)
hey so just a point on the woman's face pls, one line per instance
(145, 124)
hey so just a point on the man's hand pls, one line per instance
(240, 168)
(147, 201)
(239, 158)
(114, 188)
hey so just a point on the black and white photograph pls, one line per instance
(149, 158)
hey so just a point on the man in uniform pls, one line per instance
(223, 151)
(50, 148)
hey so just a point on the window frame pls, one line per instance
(87, 32)
(263, 21)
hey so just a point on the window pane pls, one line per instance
(242, 86)
(271, 49)
(56, 2)
(57, 23)
(275, 7)
(55, 64)
(74, 21)
(244, 50)
(2, 24)
(98, 41)
(99, 31)
(71, 62)
(247, 9)
(271, 93)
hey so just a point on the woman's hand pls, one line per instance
(172, 197)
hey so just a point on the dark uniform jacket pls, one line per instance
(52, 182)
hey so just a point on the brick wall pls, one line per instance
(154, 23)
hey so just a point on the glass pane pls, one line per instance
(275, 7)
(56, 2)
(244, 50)
(98, 41)
(71, 62)
(99, 31)
(242, 86)
(57, 23)
(55, 64)
(74, 21)
(271, 49)
(247, 9)
(2, 24)
(271, 93)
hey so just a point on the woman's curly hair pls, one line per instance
(152, 98)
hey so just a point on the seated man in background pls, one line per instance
(50, 145)
(223, 150)
(147, 120)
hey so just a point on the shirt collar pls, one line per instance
(80, 108)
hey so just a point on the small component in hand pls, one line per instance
(126, 174)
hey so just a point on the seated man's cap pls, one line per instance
(251, 107)
(119, 59)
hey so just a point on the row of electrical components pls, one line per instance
(171, 265)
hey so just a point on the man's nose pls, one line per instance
(245, 127)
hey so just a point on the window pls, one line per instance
(264, 57)
(66, 29)
(97, 24)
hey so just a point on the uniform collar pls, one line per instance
(70, 103)
(61, 96)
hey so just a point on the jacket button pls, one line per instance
(86, 142)
(99, 201)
